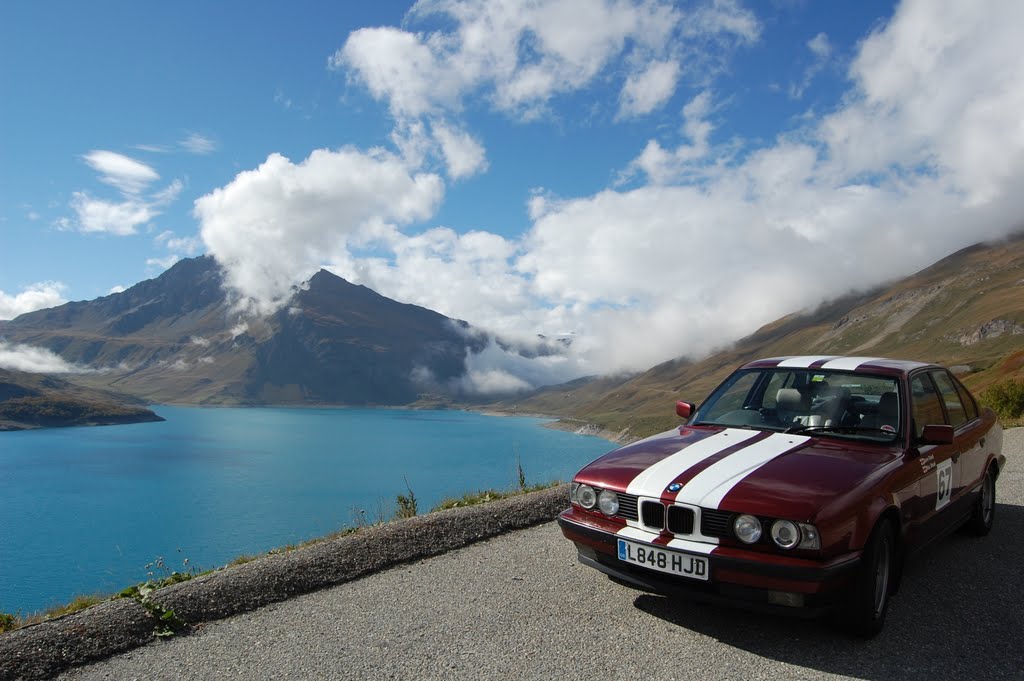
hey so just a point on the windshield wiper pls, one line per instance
(836, 427)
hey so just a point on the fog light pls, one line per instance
(586, 496)
(747, 528)
(786, 598)
(608, 502)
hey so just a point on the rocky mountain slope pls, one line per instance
(965, 311)
(178, 338)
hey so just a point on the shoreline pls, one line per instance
(569, 424)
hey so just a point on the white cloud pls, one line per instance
(475, 271)
(117, 289)
(164, 263)
(821, 51)
(272, 227)
(521, 54)
(129, 176)
(189, 245)
(195, 143)
(118, 218)
(940, 87)
(820, 46)
(33, 360)
(463, 155)
(34, 297)
(662, 165)
(495, 370)
(121, 217)
(646, 91)
(526, 52)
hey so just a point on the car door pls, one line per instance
(969, 452)
(939, 462)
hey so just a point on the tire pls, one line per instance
(984, 512)
(868, 603)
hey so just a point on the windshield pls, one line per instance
(830, 403)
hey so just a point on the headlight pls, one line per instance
(785, 534)
(586, 496)
(810, 539)
(608, 502)
(747, 528)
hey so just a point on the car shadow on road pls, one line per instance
(959, 614)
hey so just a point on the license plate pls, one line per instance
(673, 562)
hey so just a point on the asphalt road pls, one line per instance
(521, 607)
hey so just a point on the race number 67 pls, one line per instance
(944, 481)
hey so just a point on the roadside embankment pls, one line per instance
(43, 650)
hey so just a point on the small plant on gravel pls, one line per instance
(8, 622)
(161, 574)
(408, 506)
(168, 624)
(521, 474)
(485, 496)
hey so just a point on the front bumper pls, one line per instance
(748, 579)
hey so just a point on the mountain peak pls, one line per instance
(177, 338)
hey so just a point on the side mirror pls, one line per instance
(685, 409)
(937, 435)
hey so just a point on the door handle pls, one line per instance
(982, 443)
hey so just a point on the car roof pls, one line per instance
(877, 365)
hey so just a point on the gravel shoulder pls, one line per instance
(520, 606)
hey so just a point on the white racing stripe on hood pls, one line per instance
(652, 481)
(710, 486)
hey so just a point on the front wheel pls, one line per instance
(869, 599)
(984, 512)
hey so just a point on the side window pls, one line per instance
(780, 379)
(925, 403)
(965, 396)
(735, 395)
(951, 398)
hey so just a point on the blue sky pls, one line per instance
(655, 178)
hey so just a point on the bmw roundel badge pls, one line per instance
(674, 487)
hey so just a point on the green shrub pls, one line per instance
(8, 622)
(1006, 399)
(408, 506)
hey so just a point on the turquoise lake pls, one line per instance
(84, 510)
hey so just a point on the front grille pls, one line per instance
(627, 506)
(652, 514)
(680, 520)
(715, 523)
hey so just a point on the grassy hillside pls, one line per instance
(965, 311)
(38, 401)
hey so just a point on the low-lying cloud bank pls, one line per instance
(33, 360)
(698, 242)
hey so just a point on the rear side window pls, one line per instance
(951, 398)
(965, 396)
(925, 404)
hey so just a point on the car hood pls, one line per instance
(759, 472)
